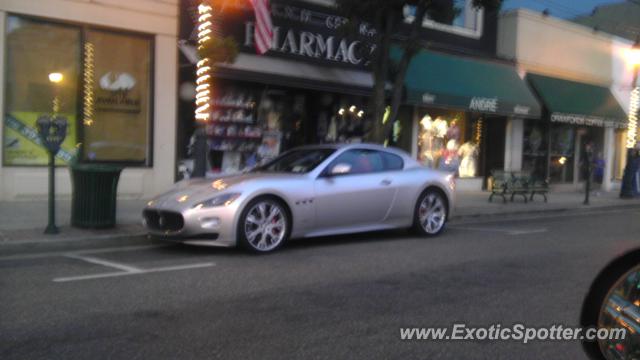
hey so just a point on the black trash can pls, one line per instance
(94, 187)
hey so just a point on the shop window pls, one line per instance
(119, 128)
(450, 142)
(460, 17)
(98, 81)
(562, 155)
(252, 123)
(535, 148)
(36, 50)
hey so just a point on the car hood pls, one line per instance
(192, 191)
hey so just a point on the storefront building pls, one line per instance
(462, 109)
(582, 81)
(311, 87)
(577, 116)
(110, 70)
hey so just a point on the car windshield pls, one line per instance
(297, 161)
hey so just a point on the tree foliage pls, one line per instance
(220, 50)
(388, 17)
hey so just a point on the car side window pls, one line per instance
(361, 161)
(392, 162)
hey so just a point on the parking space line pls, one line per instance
(82, 251)
(128, 273)
(527, 232)
(113, 264)
(505, 231)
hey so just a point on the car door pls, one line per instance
(359, 197)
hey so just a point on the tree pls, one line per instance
(218, 49)
(388, 18)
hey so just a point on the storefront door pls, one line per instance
(493, 145)
(594, 137)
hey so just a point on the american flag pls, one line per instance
(264, 28)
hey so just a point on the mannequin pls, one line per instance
(426, 141)
(450, 160)
(469, 154)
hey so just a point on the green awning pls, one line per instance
(440, 80)
(578, 103)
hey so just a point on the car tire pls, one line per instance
(430, 214)
(263, 225)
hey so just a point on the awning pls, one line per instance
(278, 71)
(441, 80)
(578, 103)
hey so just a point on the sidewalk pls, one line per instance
(477, 205)
(24, 221)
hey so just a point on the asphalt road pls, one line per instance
(331, 298)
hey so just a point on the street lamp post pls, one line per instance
(630, 170)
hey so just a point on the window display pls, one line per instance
(561, 156)
(251, 124)
(446, 142)
(119, 127)
(102, 88)
(233, 130)
(29, 91)
(535, 148)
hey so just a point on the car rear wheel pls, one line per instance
(264, 225)
(431, 213)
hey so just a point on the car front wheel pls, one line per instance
(263, 226)
(430, 213)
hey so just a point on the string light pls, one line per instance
(632, 129)
(89, 55)
(478, 134)
(203, 67)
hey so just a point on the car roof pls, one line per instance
(344, 146)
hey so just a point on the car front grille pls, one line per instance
(163, 220)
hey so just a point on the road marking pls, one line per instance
(128, 273)
(527, 232)
(113, 264)
(505, 231)
(85, 251)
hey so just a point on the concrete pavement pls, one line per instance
(330, 298)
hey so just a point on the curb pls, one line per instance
(514, 215)
(26, 240)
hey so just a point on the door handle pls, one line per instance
(385, 182)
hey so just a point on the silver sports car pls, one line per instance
(306, 192)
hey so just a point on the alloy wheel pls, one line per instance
(265, 226)
(432, 213)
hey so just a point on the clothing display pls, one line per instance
(469, 163)
(439, 144)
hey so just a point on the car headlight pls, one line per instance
(220, 200)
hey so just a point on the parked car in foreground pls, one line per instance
(306, 192)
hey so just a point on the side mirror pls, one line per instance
(613, 303)
(340, 169)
